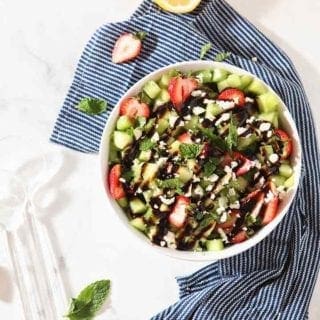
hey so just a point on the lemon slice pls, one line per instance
(178, 6)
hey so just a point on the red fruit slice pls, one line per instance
(245, 163)
(115, 186)
(185, 138)
(235, 95)
(259, 204)
(127, 47)
(205, 150)
(239, 237)
(179, 213)
(287, 143)
(231, 220)
(271, 210)
(180, 89)
(132, 108)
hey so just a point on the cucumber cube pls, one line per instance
(145, 98)
(212, 110)
(224, 84)
(123, 202)
(214, 245)
(149, 172)
(121, 139)
(124, 123)
(184, 174)
(192, 164)
(205, 76)
(245, 143)
(147, 195)
(245, 81)
(149, 214)
(268, 102)
(285, 170)
(162, 126)
(145, 155)
(152, 89)
(113, 153)
(267, 150)
(219, 75)
(278, 180)
(139, 224)
(137, 206)
(174, 146)
(164, 81)
(192, 123)
(240, 184)
(289, 182)
(149, 124)
(136, 169)
(234, 81)
(257, 87)
(162, 98)
(271, 117)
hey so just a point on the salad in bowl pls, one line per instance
(201, 157)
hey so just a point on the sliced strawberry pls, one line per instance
(239, 237)
(270, 211)
(205, 150)
(179, 213)
(287, 143)
(127, 47)
(185, 138)
(251, 196)
(133, 108)
(259, 204)
(235, 95)
(233, 216)
(180, 89)
(115, 186)
(245, 163)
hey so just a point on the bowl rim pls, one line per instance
(194, 255)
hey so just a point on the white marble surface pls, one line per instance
(41, 42)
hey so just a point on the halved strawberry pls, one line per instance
(233, 216)
(180, 89)
(115, 186)
(287, 143)
(133, 108)
(259, 204)
(245, 163)
(127, 47)
(270, 210)
(185, 138)
(252, 195)
(239, 237)
(179, 213)
(235, 95)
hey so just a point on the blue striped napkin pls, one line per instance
(275, 279)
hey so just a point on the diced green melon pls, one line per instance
(267, 149)
(148, 214)
(192, 123)
(271, 117)
(162, 126)
(149, 125)
(246, 79)
(234, 81)
(136, 169)
(152, 89)
(174, 147)
(184, 174)
(145, 98)
(289, 182)
(145, 155)
(278, 180)
(268, 102)
(124, 123)
(205, 76)
(219, 75)
(212, 110)
(245, 143)
(224, 84)
(257, 87)
(192, 164)
(214, 245)
(113, 153)
(165, 78)
(285, 170)
(147, 194)
(137, 206)
(149, 171)
(139, 224)
(123, 202)
(122, 139)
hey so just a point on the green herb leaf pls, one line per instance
(141, 121)
(251, 221)
(210, 166)
(173, 183)
(92, 106)
(208, 219)
(204, 49)
(146, 144)
(190, 150)
(140, 35)
(127, 175)
(232, 138)
(221, 56)
(89, 301)
(217, 141)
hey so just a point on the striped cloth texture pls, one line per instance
(274, 279)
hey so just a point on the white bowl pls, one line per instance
(286, 122)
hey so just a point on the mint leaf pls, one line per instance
(127, 175)
(204, 49)
(210, 166)
(173, 183)
(89, 301)
(208, 219)
(216, 141)
(146, 144)
(190, 150)
(221, 56)
(232, 137)
(140, 35)
(92, 106)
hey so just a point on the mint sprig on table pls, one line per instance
(232, 137)
(190, 150)
(89, 301)
(204, 49)
(221, 56)
(92, 106)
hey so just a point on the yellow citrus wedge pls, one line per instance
(178, 6)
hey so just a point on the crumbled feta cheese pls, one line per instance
(198, 191)
(162, 243)
(188, 194)
(248, 99)
(198, 140)
(156, 156)
(251, 119)
(224, 117)
(172, 120)
(269, 134)
(233, 164)
(181, 123)
(139, 190)
(170, 239)
(269, 197)
(257, 164)
(224, 217)
(207, 101)
(196, 93)
(187, 117)
(254, 59)
(198, 110)
(223, 235)
(137, 133)
(166, 201)
(262, 180)
(122, 180)
(156, 206)
(162, 161)
(195, 178)
(221, 210)
(209, 187)
(264, 126)
(155, 137)
(212, 196)
(232, 192)
(225, 105)
(213, 178)
(241, 130)
(256, 175)
(244, 228)
(227, 169)
(273, 158)
(235, 205)
(176, 158)
(162, 145)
